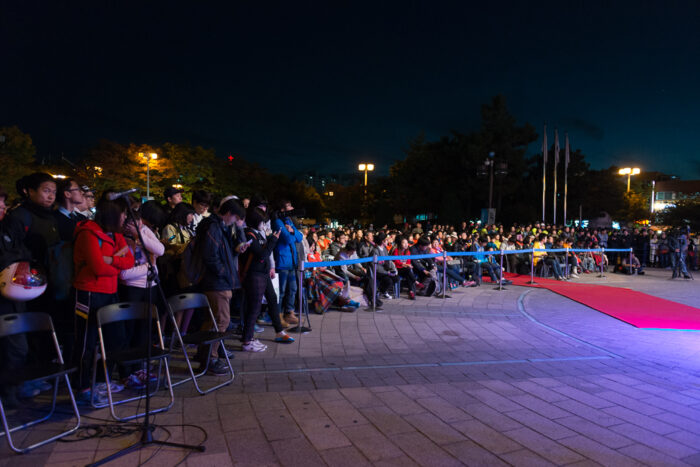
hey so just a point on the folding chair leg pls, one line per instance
(8, 431)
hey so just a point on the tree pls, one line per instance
(17, 154)
(685, 213)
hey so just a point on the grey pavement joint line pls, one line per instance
(424, 365)
(521, 309)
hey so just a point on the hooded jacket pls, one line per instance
(92, 274)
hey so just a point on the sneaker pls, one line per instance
(283, 321)
(218, 367)
(229, 353)
(86, 397)
(42, 385)
(101, 388)
(259, 329)
(265, 320)
(411, 295)
(386, 296)
(141, 375)
(575, 276)
(379, 303)
(134, 382)
(257, 343)
(251, 347)
(291, 318)
(28, 390)
(284, 338)
(354, 304)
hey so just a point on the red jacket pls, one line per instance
(92, 274)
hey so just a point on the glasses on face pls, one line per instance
(89, 197)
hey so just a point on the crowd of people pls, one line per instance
(244, 254)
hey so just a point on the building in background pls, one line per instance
(668, 192)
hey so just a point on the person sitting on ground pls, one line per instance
(325, 288)
(424, 269)
(631, 265)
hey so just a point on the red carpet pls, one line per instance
(636, 308)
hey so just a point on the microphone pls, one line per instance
(121, 194)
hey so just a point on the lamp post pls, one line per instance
(629, 172)
(148, 157)
(364, 167)
(488, 167)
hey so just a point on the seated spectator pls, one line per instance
(424, 268)
(355, 274)
(547, 258)
(387, 274)
(325, 288)
(630, 265)
(404, 268)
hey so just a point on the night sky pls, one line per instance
(324, 85)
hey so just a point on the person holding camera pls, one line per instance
(678, 250)
(287, 259)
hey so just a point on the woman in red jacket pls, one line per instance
(100, 253)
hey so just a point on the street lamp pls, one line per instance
(487, 168)
(148, 157)
(365, 168)
(629, 172)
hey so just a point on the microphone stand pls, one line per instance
(147, 427)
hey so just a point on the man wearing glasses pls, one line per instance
(87, 208)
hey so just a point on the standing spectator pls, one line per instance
(173, 197)
(13, 349)
(287, 260)
(201, 200)
(255, 270)
(134, 287)
(220, 276)
(100, 254)
(87, 207)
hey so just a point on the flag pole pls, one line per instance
(544, 172)
(556, 162)
(566, 173)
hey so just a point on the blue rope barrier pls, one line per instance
(323, 264)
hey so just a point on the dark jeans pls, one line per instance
(288, 289)
(409, 278)
(86, 335)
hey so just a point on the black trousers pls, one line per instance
(256, 286)
(407, 275)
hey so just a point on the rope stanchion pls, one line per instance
(374, 283)
(444, 274)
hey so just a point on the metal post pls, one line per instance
(532, 266)
(566, 262)
(500, 279)
(631, 249)
(374, 284)
(300, 290)
(444, 274)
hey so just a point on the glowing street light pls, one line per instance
(148, 157)
(364, 167)
(629, 172)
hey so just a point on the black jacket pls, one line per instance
(256, 258)
(218, 255)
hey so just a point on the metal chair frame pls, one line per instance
(125, 311)
(22, 323)
(187, 301)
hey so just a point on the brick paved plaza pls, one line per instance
(516, 377)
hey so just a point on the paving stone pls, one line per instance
(372, 443)
(649, 456)
(596, 451)
(344, 457)
(485, 436)
(654, 440)
(541, 424)
(434, 428)
(641, 420)
(386, 420)
(545, 447)
(424, 451)
(589, 429)
(343, 413)
(472, 454)
(443, 409)
(526, 458)
(323, 434)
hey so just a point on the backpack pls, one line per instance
(192, 267)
